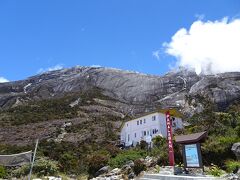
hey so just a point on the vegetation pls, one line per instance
(42, 167)
(138, 167)
(232, 166)
(95, 162)
(127, 155)
(215, 171)
(49, 109)
(98, 149)
(223, 131)
(3, 172)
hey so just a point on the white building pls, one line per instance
(148, 126)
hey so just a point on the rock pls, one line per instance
(130, 163)
(103, 170)
(150, 161)
(115, 171)
(131, 175)
(236, 149)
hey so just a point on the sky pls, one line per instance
(147, 36)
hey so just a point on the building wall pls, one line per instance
(145, 128)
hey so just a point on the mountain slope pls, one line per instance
(98, 100)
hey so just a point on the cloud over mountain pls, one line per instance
(2, 80)
(208, 47)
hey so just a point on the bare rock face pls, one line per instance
(236, 150)
(126, 94)
(169, 90)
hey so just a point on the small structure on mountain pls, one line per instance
(149, 125)
(191, 149)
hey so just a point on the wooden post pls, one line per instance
(34, 155)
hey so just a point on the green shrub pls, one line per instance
(113, 150)
(42, 167)
(21, 171)
(163, 158)
(3, 172)
(125, 156)
(159, 141)
(143, 144)
(215, 170)
(68, 162)
(232, 165)
(95, 162)
(138, 167)
(45, 167)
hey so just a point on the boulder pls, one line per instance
(103, 170)
(115, 171)
(236, 149)
(130, 163)
(131, 175)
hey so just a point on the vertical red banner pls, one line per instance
(169, 138)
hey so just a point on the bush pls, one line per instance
(215, 170)
(42, 167)
(45, 167)
(113, 150)
(3, 172)
(138, 167)
(159, 141)
(232, 166)
(95, 162)
(125, 156)
(143, 145)
(68, 162)
(21, 171)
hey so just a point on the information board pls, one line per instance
(192, 158)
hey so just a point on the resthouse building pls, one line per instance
(148, 126)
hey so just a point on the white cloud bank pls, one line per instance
(54, 68)
(207, 47)
(3, 80)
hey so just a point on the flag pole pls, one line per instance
(34, 155)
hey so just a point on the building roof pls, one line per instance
(191, 138)
(173, 112)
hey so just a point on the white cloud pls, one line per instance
(156, 54)
(3, 80)
(96, 65)
(208, 47)
(54, 68)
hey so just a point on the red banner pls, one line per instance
(169, 138)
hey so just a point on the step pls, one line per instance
(176, 177)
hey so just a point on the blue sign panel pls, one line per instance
(192, 158)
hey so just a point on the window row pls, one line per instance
(147, 133)
(141, 121)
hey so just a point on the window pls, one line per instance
(153, 118)
(128, 137)
(140, 121)
(135, 134)
(137, 122)
(154, 131)
(144, 120)
(144, 133)
(127, 124)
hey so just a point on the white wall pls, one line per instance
(132, 132)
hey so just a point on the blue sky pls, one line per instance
(41, 34)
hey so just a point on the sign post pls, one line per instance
(192, 157)
(169, 138)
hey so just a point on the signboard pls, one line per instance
(169, 138)
(192, 158)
